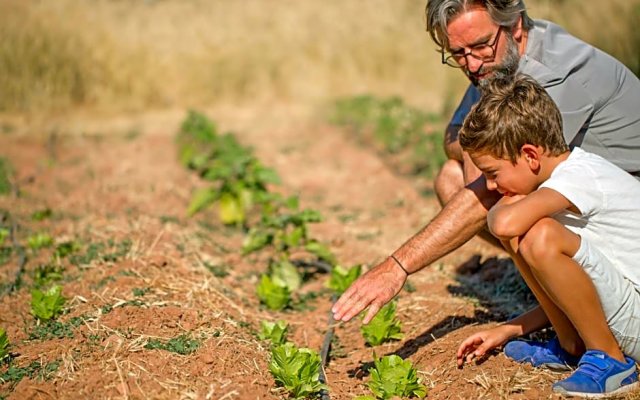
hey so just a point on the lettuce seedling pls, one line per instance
(276, 296)
(47, 305)
(276, 332)
(4, 345)
(341, 278)
(39, 240)
(383, 327)
(297, 370)
(284, 273)
(395, 377)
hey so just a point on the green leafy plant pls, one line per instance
(47, 305)
(47, 273)
(183, 344)
(41, 215)
(39, 240)
(285, 227)
(4, 345)
(297, 370)
(284, 273)
(276, 332)
(383, 327)
(239, 180)
(341, 278)
(276, 296)
(67, 248)
(394, 377)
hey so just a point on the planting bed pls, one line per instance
(162, 306)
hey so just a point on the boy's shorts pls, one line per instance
(620, 299)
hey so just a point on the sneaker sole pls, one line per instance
(620, 390)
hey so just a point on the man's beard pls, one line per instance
(505, 70)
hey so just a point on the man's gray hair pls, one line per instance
(503, 12)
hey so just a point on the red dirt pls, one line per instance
(116, 187)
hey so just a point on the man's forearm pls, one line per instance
(461, 218)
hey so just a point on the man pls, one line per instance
(598, 97)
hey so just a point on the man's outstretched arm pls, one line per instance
(460, 219)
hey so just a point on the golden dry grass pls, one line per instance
(132, 55)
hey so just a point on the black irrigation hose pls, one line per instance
(22, 260)
(328, 337)
(326, 348)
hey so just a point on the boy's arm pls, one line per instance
(509, 218)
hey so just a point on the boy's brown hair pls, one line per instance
(510, 115)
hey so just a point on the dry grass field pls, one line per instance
(113, 56)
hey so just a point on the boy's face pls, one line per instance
(507, 178)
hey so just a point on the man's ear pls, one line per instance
(531, 154)
(516, 31)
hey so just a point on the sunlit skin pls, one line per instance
(519, 178)
(475, 27)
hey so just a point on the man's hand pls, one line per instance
(373, 289)
(478, 344)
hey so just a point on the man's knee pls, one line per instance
(449, 181)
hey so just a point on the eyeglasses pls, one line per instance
(483, 52)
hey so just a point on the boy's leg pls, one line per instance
(569, 338)
(547, 249)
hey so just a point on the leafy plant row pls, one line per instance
(239, 186)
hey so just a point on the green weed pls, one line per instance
(139, 292)
(55, 329)
(182, 344)
(110, 251)
(41, 215)
(219, 271)
(392, 126)
(35, 369)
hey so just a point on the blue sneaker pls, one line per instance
(599, 376)
(541, 354)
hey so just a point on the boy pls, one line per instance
(573, 221)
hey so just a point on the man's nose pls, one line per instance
(473, 64)
(491, 184)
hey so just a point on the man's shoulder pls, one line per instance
(553, 53)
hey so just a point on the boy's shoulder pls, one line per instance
(594, 171)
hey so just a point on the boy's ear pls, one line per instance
(531, 154)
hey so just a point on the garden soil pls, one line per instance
(157, 274)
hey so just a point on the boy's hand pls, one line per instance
(478, 344)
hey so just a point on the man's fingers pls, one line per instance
(374, 307)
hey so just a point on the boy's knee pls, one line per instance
(540, 242)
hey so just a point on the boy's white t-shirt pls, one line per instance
(609, 202)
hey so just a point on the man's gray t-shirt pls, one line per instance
(599, 97)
